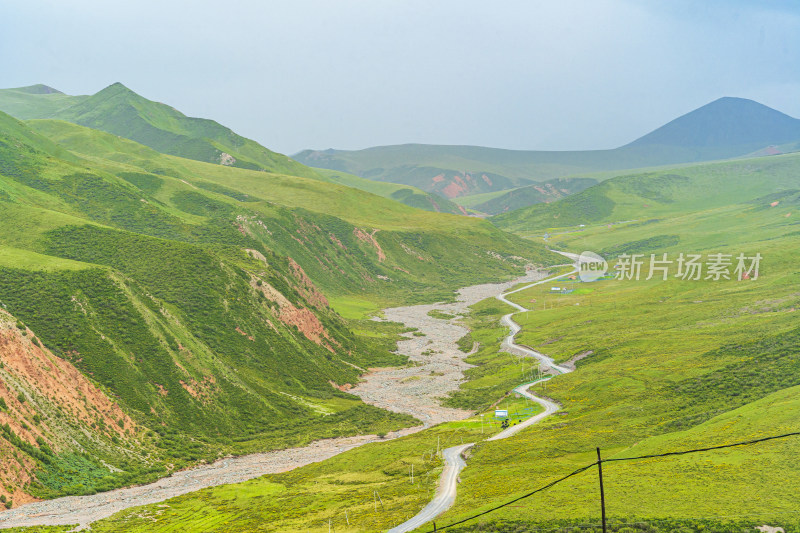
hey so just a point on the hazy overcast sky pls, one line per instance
(525, 74)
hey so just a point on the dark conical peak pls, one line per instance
(737, 105)
(727, 121)
(38, 89)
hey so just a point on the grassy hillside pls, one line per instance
(381, 249)
(120, 111)
(35, 101)
(697, 363)
(546, 192)
(405, 194)
(196, 294)
(656, 194)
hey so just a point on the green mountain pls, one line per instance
(725, 128)
(200, 302)
(118, 110)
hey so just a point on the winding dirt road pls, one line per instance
(445, 493)
(454, 462)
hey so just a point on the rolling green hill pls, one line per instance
(405, 194)
(546, 192)
(35, 101)
(653, 195)
(118, 110)
(203, 298)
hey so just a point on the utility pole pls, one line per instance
(602, 493)
(347, 517)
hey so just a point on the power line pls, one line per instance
(684, 452)
(540, 489)
(597, 463)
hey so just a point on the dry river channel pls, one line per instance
(438, 369)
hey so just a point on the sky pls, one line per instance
(349, 74)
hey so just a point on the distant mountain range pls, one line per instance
(725, 128)
(449, 179)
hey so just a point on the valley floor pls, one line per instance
(438, 362)
(438, 369)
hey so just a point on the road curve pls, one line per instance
(454, 463)
(549, 408)
(445, 493)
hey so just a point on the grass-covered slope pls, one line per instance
(377, 247)
(120, 111)
(533, 194)
(201, 333)
(656, 194)
(196, 295)
(35, 101)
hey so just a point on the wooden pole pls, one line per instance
(602, 492)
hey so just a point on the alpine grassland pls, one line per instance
(381, 249)
(662, 365)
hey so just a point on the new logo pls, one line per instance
(591, 267)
